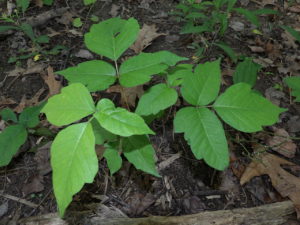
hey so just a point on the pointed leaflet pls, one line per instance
(246, 72)
(294, 84)
(72, 104)
(74, 162)
(139, 151)
(30, 116)
(157, 98)
(177, 75)
(138, 69)
(11, 140)
(96, 75)
(228, 50)
(251, 16)
(101, 135)
(245, 110)
(113, 159)
(7, 114)
(120, 121)
(204, 132)
(202, 87)
(112, 37)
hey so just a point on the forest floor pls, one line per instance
(187, 185)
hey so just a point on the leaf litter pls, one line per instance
(266, 60)
(284, 182)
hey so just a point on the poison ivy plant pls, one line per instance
(294, 84)
(15, 135)
(118, 129)
(73, 155)
(246, 72)
(238, 106)
(124, 133)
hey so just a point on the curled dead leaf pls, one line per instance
(282, 143)
(53, 84)
(285, 183)
(146, 36)
(128, 95)
(35, 100)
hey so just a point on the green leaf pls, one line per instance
(251, 16)
(293, 32)
(77, 22)
(42, 39)
(27, 29)
(265, 11)
(245, 110)
(6, 28)
(204, 132)
(157, 98)
(74, 162)
(169, 58)
(119, 121)
(190, 28)
(30, 116)
(23, 4)
(203, 86)
(176, 76)
(112, 37)
(101, 135)
(48, 2)
(11, 139)
(294, 84)
(138, 69)
(72, 104)
(246, 72)
(96, 75)
(7, 114)
(88, 2)
(139, 151)
(228, 50)
(113, 159)
(149, 119)
(94, 18)
(56, 50)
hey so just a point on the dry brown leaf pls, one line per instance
(42, 157)
(6, 101)
(266, 2)
(128, 95)
(74, 32)
(66, 18)
(114, 10)
(53, 84)
(285, 183)
(34, 185)
(51, 32)
(39, 3)
(282, 143)
(10, 7)
(289, 40)
(31, 68)
(146, 36)
(264, 62)
(256, 49)
(166, 163)
(29, 102)
(294, 8)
